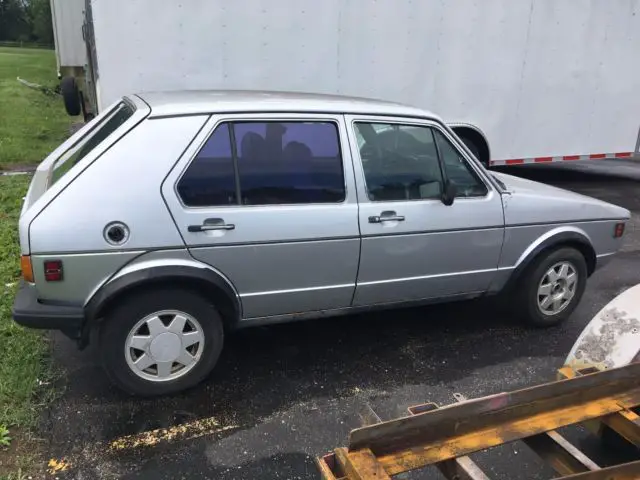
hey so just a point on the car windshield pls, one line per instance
(120, 114)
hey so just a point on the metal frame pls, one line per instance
(443, 437)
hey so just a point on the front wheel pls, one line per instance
(552, 287)
(160, 341)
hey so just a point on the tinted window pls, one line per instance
(289, 163)
(210, 178)
(467, 181)
(400, 162)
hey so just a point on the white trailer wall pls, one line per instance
(67, 17)
(540, 77)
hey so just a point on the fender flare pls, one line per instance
(612, 338)
(181, 272)
(554, 238)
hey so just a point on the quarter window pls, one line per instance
(272, 163)
(458, 171)
(210, 178)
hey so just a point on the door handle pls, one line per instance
(386, 217)
(211, 224)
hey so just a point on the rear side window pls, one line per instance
(121, 113)
(266, 163)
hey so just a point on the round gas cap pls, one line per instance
(116, 233)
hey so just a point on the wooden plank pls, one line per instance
(560, 454)
(462, 468)
(360, 465)
(625, 471)
(483, 413)
(626, 424)
(419, 454)
(326, 465)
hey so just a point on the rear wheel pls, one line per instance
(161, 341)
(551, 288)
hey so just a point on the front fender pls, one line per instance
(565, 235)
(612, 338)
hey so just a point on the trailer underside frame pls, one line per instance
(444, 437)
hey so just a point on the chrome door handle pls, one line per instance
(211, 224)
(386, 217)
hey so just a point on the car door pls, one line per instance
(414, 246)
(269, 201)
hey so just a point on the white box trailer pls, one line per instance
(542, 80)
(67, 19)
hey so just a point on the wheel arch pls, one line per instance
(476, 136)
(183, 274)
(553, 240)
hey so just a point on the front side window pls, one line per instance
(400, 162)
(266, 163)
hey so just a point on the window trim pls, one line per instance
(417, 122)
(258, 117)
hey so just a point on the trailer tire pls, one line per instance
(531, 305)
(471, 146)
(70, 96)
(475, 142)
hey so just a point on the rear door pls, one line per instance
(270, 201)
(413, 245)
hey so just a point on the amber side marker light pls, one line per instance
(618, 231)
(26, 268)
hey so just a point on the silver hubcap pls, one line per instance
(164, 345)
(557, 288)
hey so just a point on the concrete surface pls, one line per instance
(284, 394)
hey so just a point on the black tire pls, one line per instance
(526, 295)
(70, 96)
(119, 321)
(473, 147)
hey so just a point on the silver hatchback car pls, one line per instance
(172, 218)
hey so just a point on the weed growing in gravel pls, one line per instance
(5, 439)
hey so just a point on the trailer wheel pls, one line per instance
(70, 96)
(475, 142)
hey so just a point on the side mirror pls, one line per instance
(449, 193)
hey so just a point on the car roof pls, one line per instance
(196, 102)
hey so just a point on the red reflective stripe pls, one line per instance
(598, 155)
(571, 157)
(543, 159)
(514, 161)
(623, 154)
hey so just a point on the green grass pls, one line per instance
(32, 124)
(23, 352)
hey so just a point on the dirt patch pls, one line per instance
(22, 456)
(18, 167)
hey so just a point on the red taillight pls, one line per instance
(618, 231)
(53, 270)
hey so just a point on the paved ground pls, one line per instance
(284, 394)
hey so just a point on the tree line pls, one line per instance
(27, 21)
